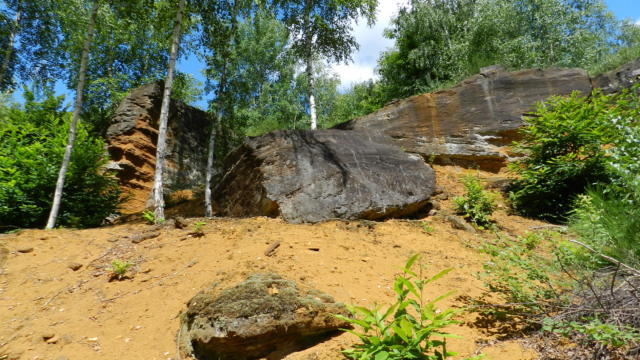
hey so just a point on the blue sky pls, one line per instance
(372, 43)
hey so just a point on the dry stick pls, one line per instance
(609, 258)
(613, 281)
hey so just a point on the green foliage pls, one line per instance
(554, 286)
(358, 100)
(149, 216)
(404, 330)
(608, 218)
(198, 228)
(566, 146)
(521, 272)
(32, 142)
(593, 330)
(119, 269)
(630, 37)
(428, 228)
(476, 205)
(439, 42)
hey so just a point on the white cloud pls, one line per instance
(638, 22)
(353, 73)
(372, 44)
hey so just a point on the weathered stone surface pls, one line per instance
(311, 176)
(621, 78)
(260, 316)
(132, 138)
(470, 123)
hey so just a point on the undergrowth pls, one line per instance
(476, 205)
(553, 284)
(411, 328)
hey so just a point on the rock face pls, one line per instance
(623, 77)
(311, 176)
(470, 123)
(260, 316)
(132, 138)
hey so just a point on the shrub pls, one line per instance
(553, 285)
(404, 330)
(476, 205)
(565, 148)
(32, 143)
(608, 218)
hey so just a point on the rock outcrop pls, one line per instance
(470, 123)
(623, 77)
(132, 138)
(263, 315)
(311, 176)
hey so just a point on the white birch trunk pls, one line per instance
(57, 196)
(12, 38)
(309, 58)
(208, 208)
(312, 99)
(161, 147)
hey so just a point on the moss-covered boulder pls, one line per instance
(263, 315)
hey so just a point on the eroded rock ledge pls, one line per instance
(472, 123)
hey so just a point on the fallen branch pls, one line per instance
(608, 258)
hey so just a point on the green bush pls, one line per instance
(476, 205)
(608, 218)
(32, 142)
(404, 330)
(551, 284)
(565, 148)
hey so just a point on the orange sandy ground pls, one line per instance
(137, 318)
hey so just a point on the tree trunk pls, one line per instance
(161, 147)
(309, 59)
(312, 99)
(57, 197)
(208, 208)
(9, 51)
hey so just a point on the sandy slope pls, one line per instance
(92, 318)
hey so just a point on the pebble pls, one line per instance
(74, 266)
(52, 340)
(25, 249)
(48, 335)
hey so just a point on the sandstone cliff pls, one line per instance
(132, 138)
(472, 123)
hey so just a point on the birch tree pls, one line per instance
(219, 37)
(55, 207)
(8, 53)
(158, 193)
(321, 29)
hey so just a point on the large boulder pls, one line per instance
(132, 138)
(311, 176)
(470, 123)
(260, 316)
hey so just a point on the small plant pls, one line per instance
(593, 330)
(428, 228)
(197, 229)
(476, 205)
(150, 217)
(404, 330)
(119, 269)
